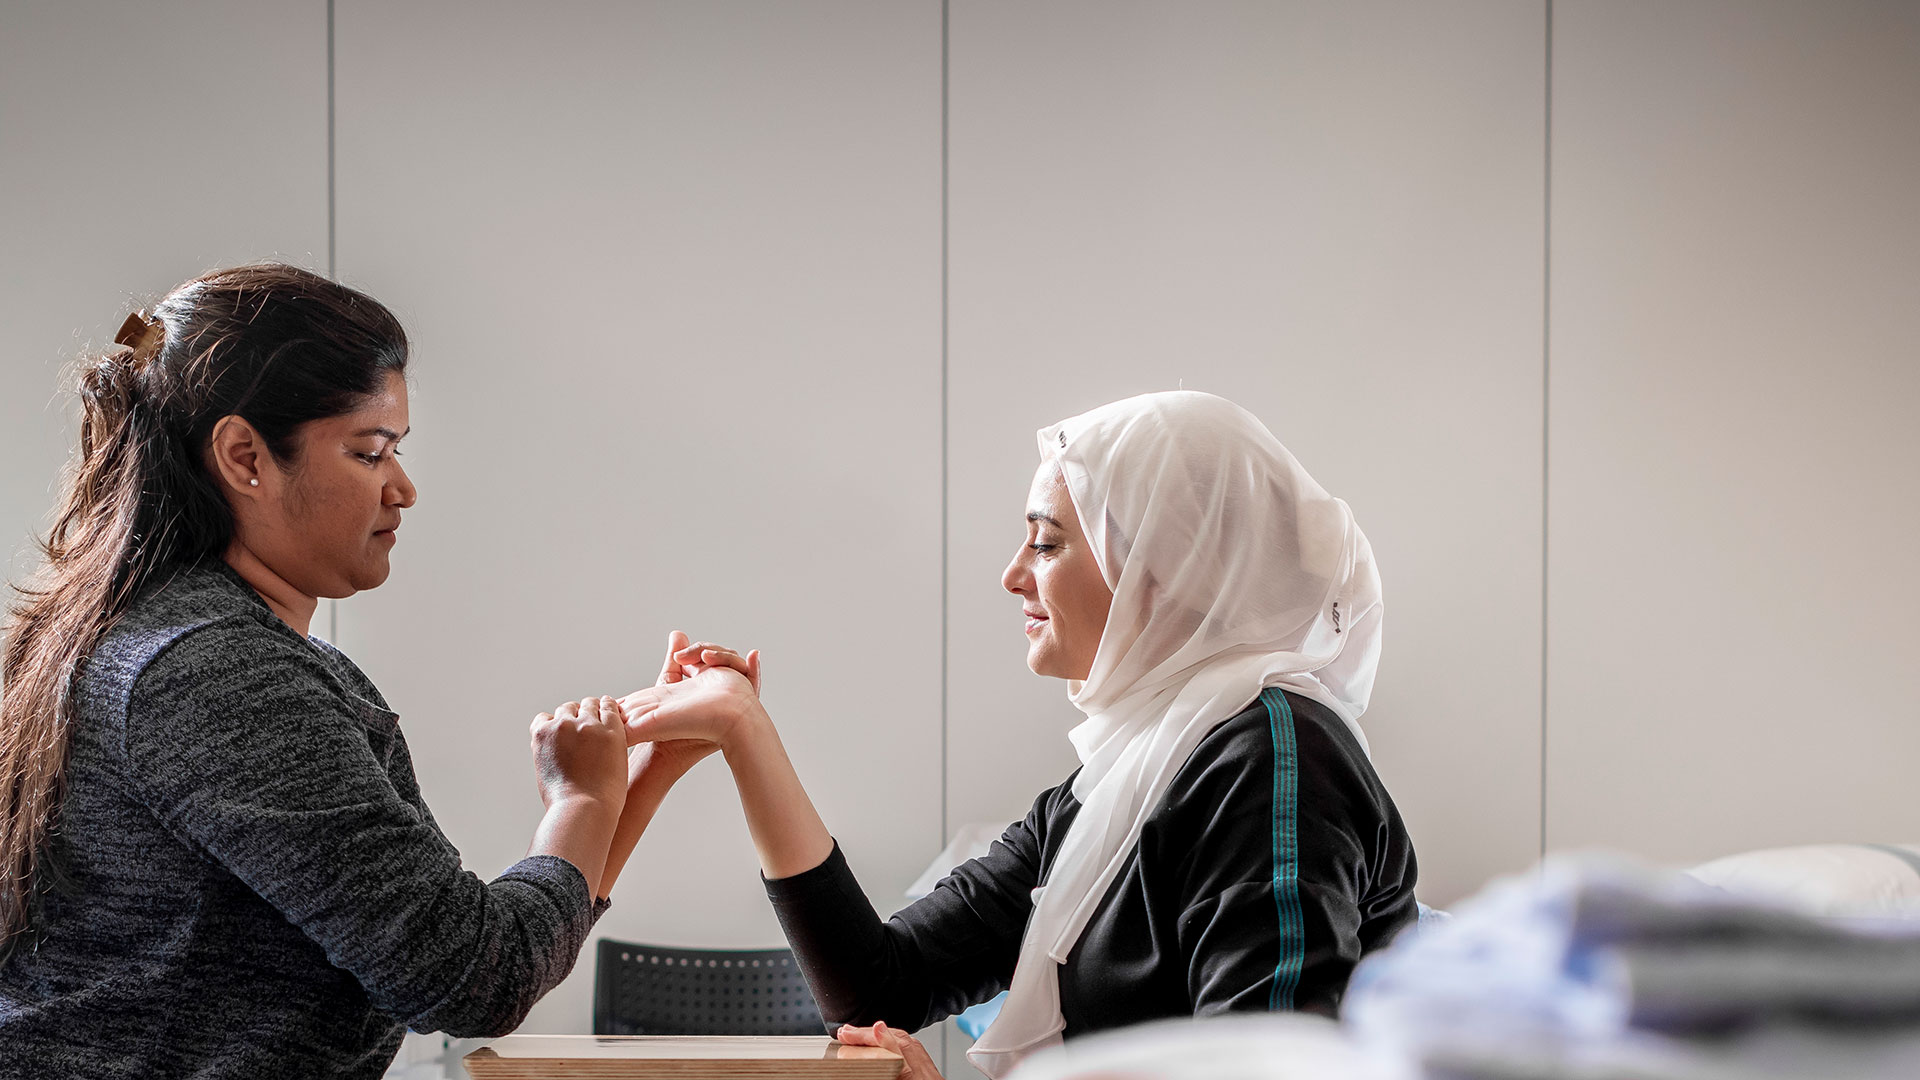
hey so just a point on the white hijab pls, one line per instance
(1231, 571)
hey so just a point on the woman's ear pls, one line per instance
(239, 455)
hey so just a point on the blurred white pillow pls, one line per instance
(1243, 1046)
(1850, 880)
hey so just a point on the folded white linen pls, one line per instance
(1589, 968)
(1281, 1046)
(1597, 967)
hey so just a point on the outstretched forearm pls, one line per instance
(787, 831)
(652, 772)
(709, 696)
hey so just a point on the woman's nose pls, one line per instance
(401, 492)
(1015, 578)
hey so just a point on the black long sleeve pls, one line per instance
(1274, 862)
(908, 972)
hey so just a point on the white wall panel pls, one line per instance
(139, 146)
(673, 276)
(1331, 213)
(1736, 301)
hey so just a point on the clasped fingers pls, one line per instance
(579, 749)
(706, 654)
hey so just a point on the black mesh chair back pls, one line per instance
(650, 990)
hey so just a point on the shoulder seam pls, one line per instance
(185, 632)
(182, 634)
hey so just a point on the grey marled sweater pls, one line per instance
(253, 885)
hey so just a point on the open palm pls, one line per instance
(703, 692)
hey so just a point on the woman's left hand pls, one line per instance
(919, 1064)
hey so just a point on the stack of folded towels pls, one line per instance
(1798, 963)
(1591, 968)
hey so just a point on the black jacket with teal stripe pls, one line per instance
(1274, 862)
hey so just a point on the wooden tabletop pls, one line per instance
(679, 1057)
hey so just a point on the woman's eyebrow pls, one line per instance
(383, 432)
(1035, 515)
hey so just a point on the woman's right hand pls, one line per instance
(706, 692)
(580, 752)
(712, 694)
(716, 705)
(686, 658)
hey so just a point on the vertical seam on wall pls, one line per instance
(946, 617)
(1546, 401)
(331, 271)
(333, 606)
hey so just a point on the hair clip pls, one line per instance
(143, 334)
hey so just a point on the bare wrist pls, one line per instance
(585, 808)
(753, 734)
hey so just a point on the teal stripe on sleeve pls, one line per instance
(1286, 850)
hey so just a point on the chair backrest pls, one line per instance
(652, 990)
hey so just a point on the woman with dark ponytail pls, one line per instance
(214, 858)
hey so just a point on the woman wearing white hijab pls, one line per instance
(1225, 844)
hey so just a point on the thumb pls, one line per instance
(670, 671)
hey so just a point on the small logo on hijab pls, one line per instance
(1336, 616)
(1063, 440)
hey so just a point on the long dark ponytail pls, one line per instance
(272, 344)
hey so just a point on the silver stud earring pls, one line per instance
(254, 482)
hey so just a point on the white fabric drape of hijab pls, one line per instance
(1231, 571)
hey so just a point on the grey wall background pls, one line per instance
(739, 317)
(1733, 600)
